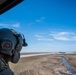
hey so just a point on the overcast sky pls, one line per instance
(48, 25)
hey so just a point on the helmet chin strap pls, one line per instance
(7, 58)
(4, 66)
(14, 59)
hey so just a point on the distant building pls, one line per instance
(62, 52)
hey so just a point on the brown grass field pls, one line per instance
(71, 58)
(35, 65)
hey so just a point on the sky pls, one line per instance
(48, 25)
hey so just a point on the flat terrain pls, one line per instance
(71, 58)
(35, 65)
(42, 65)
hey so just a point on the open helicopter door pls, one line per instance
(5, 5)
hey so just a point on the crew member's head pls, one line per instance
(11, 43)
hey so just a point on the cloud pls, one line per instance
(60, 36)
(36, 21)
(64, 36)
(41, 19)
(42, 38)
(3, 25)
(17, 25)
(39, 36)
